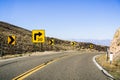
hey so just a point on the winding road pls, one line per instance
(59, 66)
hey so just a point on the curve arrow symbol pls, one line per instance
(11, 39)
(35, 35)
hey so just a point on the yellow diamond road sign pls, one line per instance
(91, 46)
(73, 43)
(11, 39)
(51, 41)
(38, 36)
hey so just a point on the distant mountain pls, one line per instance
(97, 42)
(24, 42)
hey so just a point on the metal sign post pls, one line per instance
(73, 44)
(41, 45)
(38, 36)
(52, 43)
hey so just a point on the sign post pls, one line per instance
(51, 42)
(38, 36)
(73, 44)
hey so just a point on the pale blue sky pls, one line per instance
(64, 19)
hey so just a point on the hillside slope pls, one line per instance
(115, 44)
(24, 42)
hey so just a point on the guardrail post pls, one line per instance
(111, 57)
(107, 54)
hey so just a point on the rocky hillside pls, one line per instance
(115, 44)
(24, 42)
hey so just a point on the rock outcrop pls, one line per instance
(115, 45)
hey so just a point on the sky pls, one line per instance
(64, 19)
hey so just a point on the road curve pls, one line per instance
(14, 67)
(74, 66)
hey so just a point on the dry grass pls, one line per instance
(113, 68)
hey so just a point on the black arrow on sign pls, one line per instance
(35, 35)
(73, 43)
(12, 39)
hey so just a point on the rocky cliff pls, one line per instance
(115, 44)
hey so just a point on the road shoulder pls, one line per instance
(101, 68)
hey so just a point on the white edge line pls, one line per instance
(3, 60)
(14, 58)
(100, 67)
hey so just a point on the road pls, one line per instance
(61, 66)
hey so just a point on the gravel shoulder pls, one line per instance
(113, 69)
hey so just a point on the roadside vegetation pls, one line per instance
(113, 68)
(23, 43)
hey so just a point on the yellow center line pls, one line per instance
(31, 71)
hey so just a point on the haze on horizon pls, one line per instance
(65, 19)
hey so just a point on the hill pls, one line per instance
(104, 42)
(24, 42)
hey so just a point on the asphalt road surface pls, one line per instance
(61, 66)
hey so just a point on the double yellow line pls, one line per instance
(31, 71)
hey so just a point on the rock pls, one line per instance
(115, 45)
